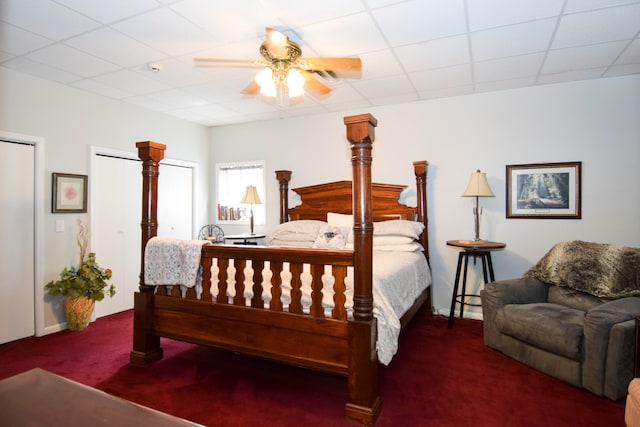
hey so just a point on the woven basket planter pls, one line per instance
(78, 312)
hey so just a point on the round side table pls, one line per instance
(471, 248)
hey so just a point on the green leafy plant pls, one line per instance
(88, 279)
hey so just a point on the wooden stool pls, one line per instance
(474, 249)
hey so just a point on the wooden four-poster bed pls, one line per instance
(341, 339)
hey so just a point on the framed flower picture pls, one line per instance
(69, 193)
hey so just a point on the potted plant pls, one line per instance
(82, 286)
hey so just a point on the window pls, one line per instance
(233, 179)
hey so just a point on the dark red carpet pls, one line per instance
(440, 378)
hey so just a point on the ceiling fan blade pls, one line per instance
(251, 89)
(314, 85)
(225, 62)
(341, 67)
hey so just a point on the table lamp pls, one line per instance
(251, 197)
(478, 187)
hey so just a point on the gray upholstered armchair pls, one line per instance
(571, 316)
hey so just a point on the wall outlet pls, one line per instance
(60, 225)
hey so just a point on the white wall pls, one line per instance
(595, 122)
(71, 121)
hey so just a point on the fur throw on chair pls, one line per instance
(600, 269)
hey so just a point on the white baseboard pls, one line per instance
(54, 328)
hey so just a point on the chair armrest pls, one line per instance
(496, 295)
(612, 312)
(524, 290)
(598, 324)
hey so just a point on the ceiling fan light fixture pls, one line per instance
(295, 83)
(265, 80)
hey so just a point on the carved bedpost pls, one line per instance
(363, 404)
(420, 170)
(283, 177)
(151, 153)
(146, 345)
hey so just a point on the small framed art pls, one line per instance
(544, 190)
(69, 193)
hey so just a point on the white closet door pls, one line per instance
(175, 201)
(17, 310)
(116, 211)
(116, 228)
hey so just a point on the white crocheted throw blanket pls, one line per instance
(170, 261)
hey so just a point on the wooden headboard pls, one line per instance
(318, 200)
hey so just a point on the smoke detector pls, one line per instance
(156, 68)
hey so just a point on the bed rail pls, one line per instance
(278, 261)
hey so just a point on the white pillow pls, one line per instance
(411, 247)
(387, 240)
(305, 230)
(331, 237)
(398, 227)
(340, 220)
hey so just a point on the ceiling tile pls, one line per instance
(177, 98)
(379, 64)
(508, 68)
(512, 40)
(485, 14)
(131, 82)
(72, 60)
(178, 74)
(166, 31)
(385, 86)
(393, 98)
(312, 12)
(44, 71)
(622, 70)
(505, 84)
(631, 54)
(434, 54)
(95, 86)
(459, 75)
(586, 28)
(584, 5)
(446, 92)
(17, 41)
(109, 11)
(243, 19)
(46, 18)
(115, 47)
(147, 102)
(337, 37)
(420, 20)
(571, 75)
(584, 57)
(342, 93)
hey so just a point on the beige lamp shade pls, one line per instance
(478, 186)
(251, 196)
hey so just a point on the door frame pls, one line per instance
(38, 223)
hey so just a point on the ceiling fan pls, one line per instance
(285, 71)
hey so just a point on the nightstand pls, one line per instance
(474, 249)
(245, 238)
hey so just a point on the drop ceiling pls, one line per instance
(410, 50)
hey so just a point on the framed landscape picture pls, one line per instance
(544, 190)
(69, 193)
